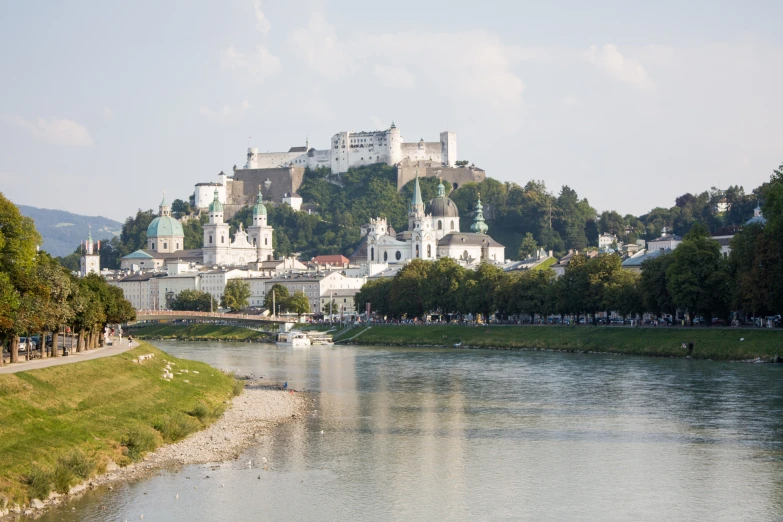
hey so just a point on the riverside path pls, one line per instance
(37, 364)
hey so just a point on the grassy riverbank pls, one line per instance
(199, 332)
(61, 423)
(723, 344)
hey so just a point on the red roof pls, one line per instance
(331, 260)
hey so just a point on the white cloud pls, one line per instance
(56, 131)
(107, 113)
(246, 104)
(627, 70)
(318, 46)
(259, 66)
(471, 65)
(395, 76)
(262, 22)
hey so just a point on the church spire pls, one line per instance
(478, 225)
(417, 204)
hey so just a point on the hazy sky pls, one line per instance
(105, 104)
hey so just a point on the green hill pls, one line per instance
(63, 231)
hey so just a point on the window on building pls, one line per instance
(266, 241)
(429, 250)
(372, 254)
(165, 246)
(417, 251)
(440, 225)
(452, 224)
(210, 239)
(222, 239)
(385, 256)
(398, 255)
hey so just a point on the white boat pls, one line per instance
(293, 338)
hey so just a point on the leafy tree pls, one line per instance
(377, 292)
(654, 288)
(409, 289)
(180, 208)
(236, 295)
(445, 280)
(277, 295)
(194, 301)
(482, 290)
(298, 303)
(696, 274)
(528, 247)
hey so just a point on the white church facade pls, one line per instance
(433, 233)
(166, 239)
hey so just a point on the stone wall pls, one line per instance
(242, 191)
(456, 176)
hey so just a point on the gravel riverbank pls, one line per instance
(249, 417)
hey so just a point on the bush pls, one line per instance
(63, 478)
(138, 441)
(39, 481)
(80, 464)
(237, 387)
(200, 411)
(175, 427)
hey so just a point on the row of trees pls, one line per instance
(694, 279)
(38, 296)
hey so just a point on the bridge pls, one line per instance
(211, 317)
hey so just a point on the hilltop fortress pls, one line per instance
(281, 173)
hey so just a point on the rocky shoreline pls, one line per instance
(249, 416)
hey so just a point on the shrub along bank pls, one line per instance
(708, 343)
(199, 332)
(61, 425)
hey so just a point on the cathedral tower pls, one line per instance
(90, 262)
(217, 243)
(260, 233)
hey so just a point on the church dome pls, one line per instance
(441, 206)
(259, 209)
(165, 226)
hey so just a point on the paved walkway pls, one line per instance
(74, 357)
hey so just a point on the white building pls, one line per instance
(141, 290)
(433, 232)
(214, 281)
(665, 241)
(247, 247)
(314, 286)
(606, 240)
(90, 262)
(352, 149)
(170, 286)
(293, 200)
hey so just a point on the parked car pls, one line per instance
(27, 343)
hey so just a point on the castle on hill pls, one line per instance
(282, 173)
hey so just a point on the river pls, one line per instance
(435, 434)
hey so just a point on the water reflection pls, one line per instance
(412, 434)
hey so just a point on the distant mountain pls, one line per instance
(63, 231)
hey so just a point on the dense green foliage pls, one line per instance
(236, 295)
(194, 301)
(522, 217)
(38, 295)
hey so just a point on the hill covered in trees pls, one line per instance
(529, 215)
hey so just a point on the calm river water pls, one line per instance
(429, 434)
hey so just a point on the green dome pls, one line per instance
(216, 205)
(165, 226)
(259, 209)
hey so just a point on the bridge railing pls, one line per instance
(215, 315)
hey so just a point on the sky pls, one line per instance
(104, 105)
